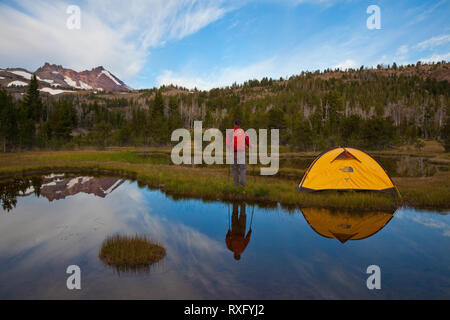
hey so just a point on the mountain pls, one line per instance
(56, 188)
(55, 79)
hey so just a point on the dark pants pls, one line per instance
(243, 170)
(238, 221)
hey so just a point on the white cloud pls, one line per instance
(221, 77)
(347, 64)
(283, 64)
(436, 58)
(434, 42)
(401, 54)
(403, 50)
(318, 2)
(168, 77)
(115, 34)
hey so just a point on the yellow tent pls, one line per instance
(345, 169)
(345, 226)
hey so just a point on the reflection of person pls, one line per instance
(236, 240)
(239, 139)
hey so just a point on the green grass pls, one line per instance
(214, 183)
(130, 253)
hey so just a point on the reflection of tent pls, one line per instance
(345, 226)
(346, 169)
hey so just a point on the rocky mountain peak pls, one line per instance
(53, 77)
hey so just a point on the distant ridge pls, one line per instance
(55, 78)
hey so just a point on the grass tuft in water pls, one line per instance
(130, 253)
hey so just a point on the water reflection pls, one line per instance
(343, 225)
(236, 239)
(284, 259)
(11, 189)
(54, 187)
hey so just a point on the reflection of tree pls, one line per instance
(10, 189)
(7, 197)
(36, 182)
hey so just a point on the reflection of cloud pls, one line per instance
(338, 278)
(429, 222)
(71, 231)
(195, 254)
(424, 219)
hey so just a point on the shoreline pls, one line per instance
(214, 184)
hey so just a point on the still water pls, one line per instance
(49, 223)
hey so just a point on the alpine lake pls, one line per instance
(215, 250)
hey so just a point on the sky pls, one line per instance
(214, 43)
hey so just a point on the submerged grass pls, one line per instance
(214, 183)
(130, 253)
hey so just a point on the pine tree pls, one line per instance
(175, 120)
(32, 102)
(159, 125)
(8, 123)
(101, 133)
(62, 120)
(446, 134)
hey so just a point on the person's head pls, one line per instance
(237, 256)
(237, 122)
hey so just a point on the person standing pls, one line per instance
(240, 140)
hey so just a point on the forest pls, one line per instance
(371, 108)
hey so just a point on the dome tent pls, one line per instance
(346, 169)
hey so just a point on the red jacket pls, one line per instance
(237, 140)
(237, 243)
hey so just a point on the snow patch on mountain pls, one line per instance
(57, 76)
(70, 82)
(45, 80)
(54, 91)
(22, 74)
(85, 86)
(106, 73)
(17, 83)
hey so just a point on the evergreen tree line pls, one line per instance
(313, 112)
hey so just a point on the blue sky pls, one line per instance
(213, 43)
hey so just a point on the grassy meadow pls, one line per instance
(215, 182)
